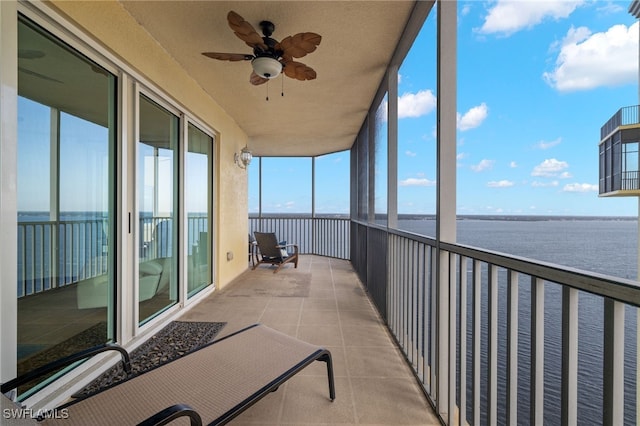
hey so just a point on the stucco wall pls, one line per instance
(108, 23)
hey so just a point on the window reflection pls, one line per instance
(66, 110)
(157, 204)
(198, 198)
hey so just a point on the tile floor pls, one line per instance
(322, 302)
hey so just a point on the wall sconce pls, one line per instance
(244, 158)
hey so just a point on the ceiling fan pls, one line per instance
(270, 57)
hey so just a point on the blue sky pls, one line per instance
(536, 81)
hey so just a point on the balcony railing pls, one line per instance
(623, 117)
(498, 339)
(313, 235)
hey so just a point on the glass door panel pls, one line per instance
(198, 200)
(66, 174)
(157, 204)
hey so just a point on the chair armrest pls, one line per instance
(171, 413)
(284, 246)
(295, 246)
(63, 362)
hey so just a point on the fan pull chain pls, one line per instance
(282, 92)
(267, 90)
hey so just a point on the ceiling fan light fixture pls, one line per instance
(266, 67)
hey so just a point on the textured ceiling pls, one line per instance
(313, 117)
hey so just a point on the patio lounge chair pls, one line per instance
(273, 252)
(211, 385)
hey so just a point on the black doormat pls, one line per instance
(173, 341)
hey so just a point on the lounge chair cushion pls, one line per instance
(218, 381)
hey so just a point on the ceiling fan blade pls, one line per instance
(228, 56)
(244, 31)
(256, 80)
(299, 71)
(300, 44)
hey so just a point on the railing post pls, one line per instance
(512, 348)
(537, 352)
(454, 417)
(569, 392)
(493, 346)
(477, 339)
(613, 371)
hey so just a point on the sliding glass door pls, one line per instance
(66, 188)
(158, 207)
(198, 204)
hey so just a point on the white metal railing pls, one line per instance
(517, 349)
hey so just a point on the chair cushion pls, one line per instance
(283, 250)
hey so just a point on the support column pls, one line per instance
(392, 148)
(446, 185)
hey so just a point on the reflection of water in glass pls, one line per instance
(603, 246)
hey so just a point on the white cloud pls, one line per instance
(473, 118)
(538, 184)
(590, 60)
(483, 165)
(417, 182)
(410, 153)
(580, 187)
(508, 16)
(416, 104)
(500, 184)
(513, 164)
(565, 175)
(462, 156)
(548, 144)
(549, 168)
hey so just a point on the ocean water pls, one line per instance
(603, 245)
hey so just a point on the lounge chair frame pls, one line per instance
(269, 251)
(228, 362)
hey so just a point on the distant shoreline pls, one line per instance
(514, 218)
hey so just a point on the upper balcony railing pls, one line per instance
(623, 117)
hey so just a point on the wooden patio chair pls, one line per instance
(273, 252)
(211, 385)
